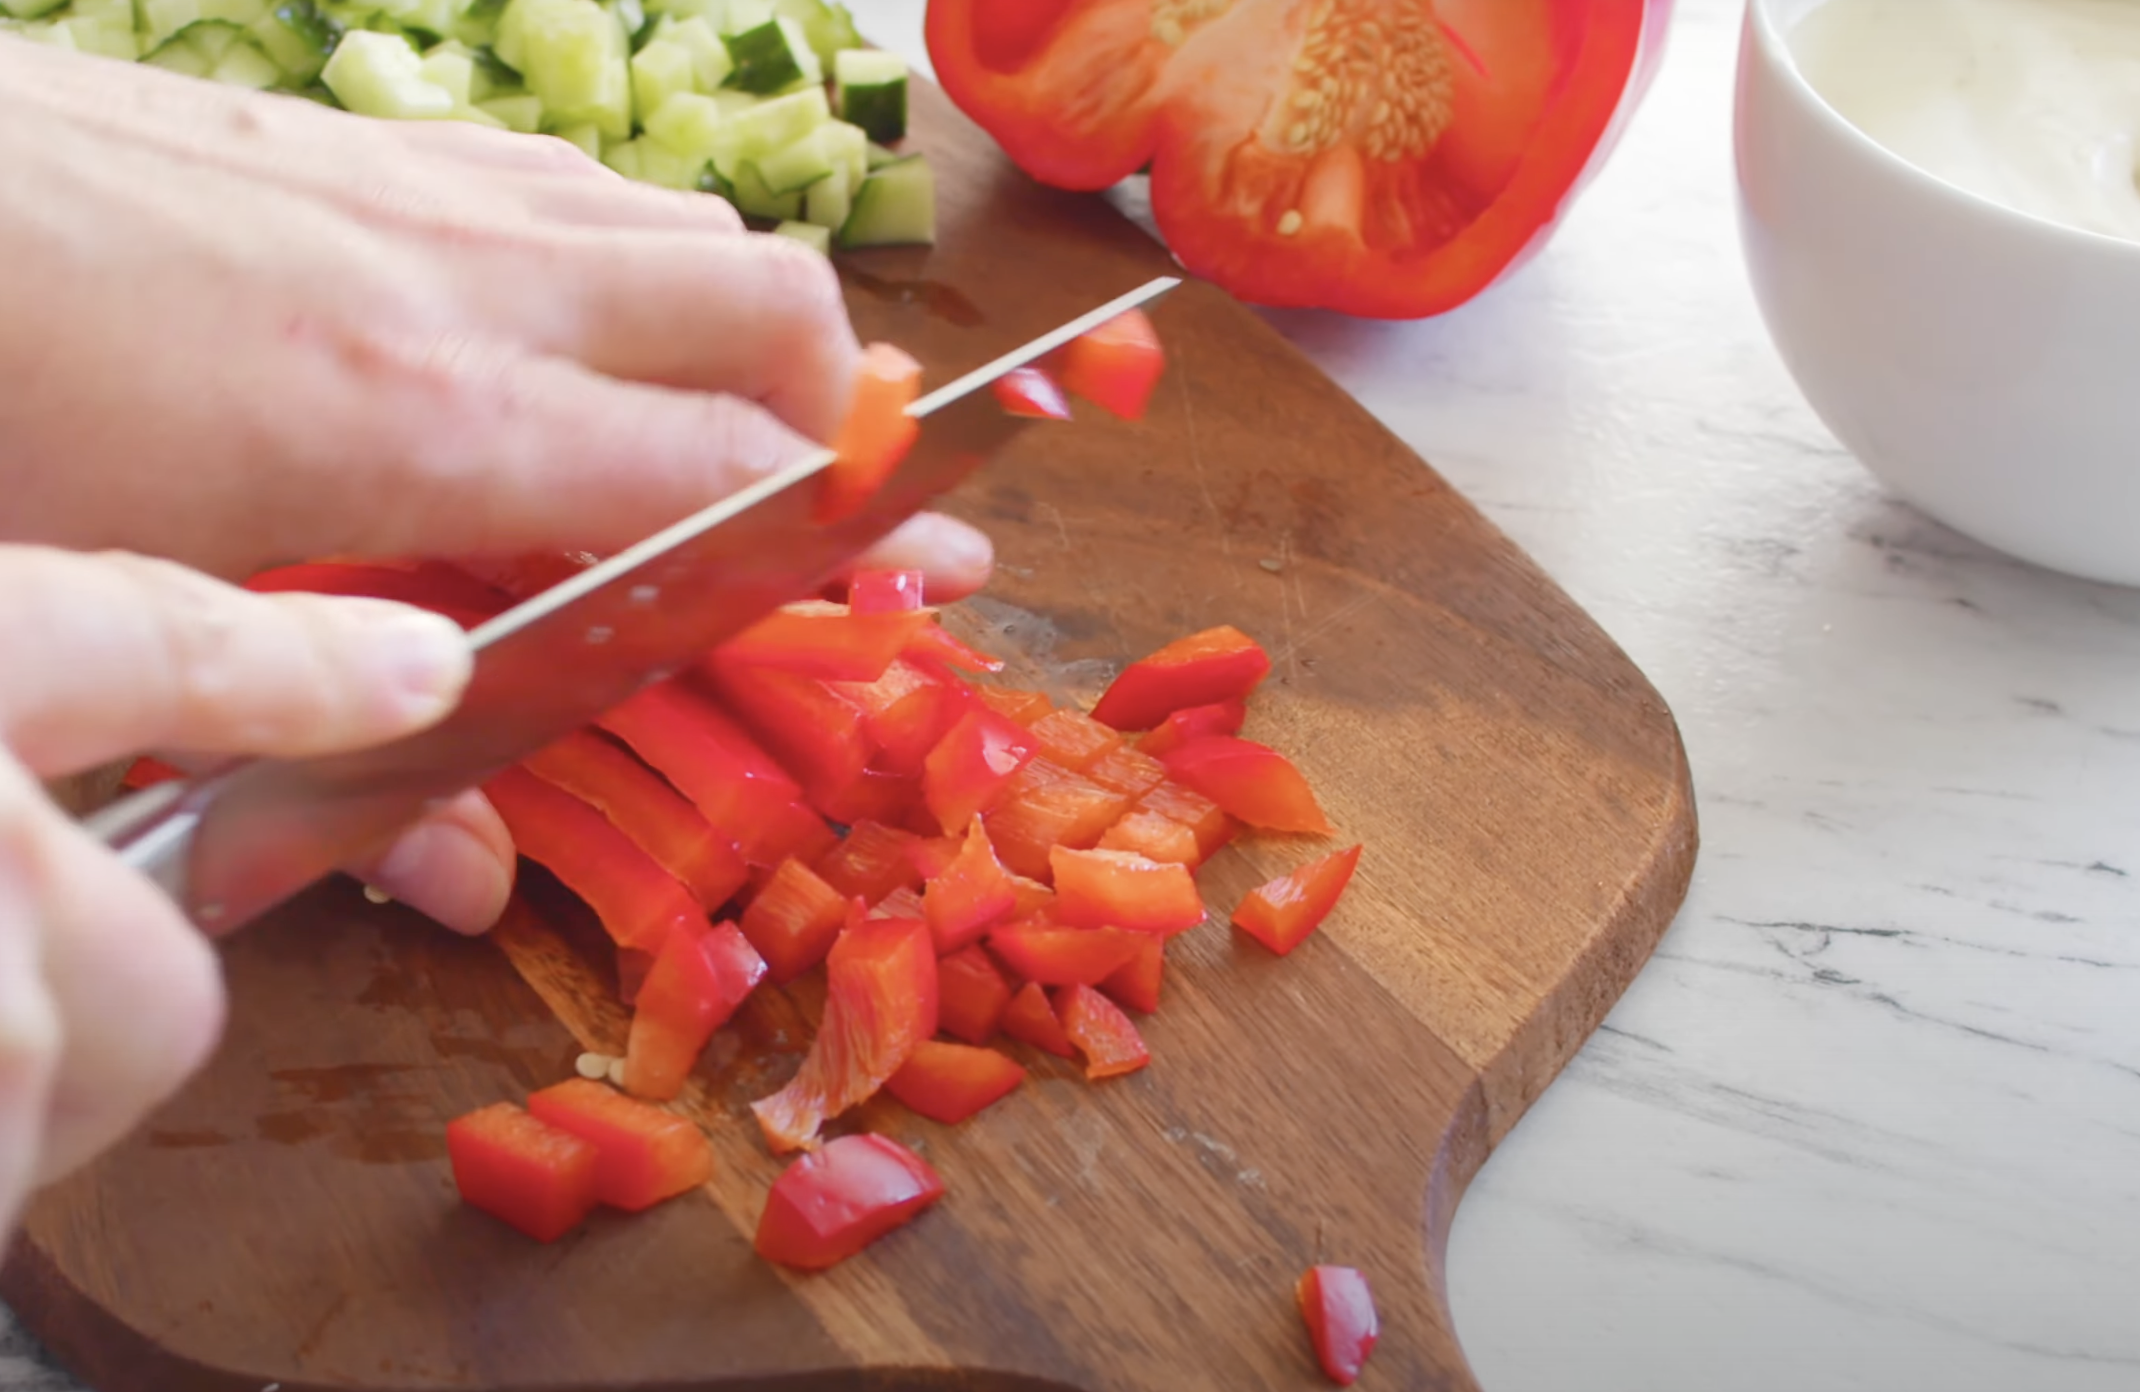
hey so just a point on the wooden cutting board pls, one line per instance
(1529, 832)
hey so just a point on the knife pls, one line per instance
(232, 843)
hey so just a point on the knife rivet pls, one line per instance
(600, 633)
(645, 594)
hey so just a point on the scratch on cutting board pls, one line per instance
(1196, 457)
(1062, 532)
(1337, 616)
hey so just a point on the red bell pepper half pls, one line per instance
(972, 995)
(1281, 913)
(1125, 890)
(1219, 718)
(1028, 391)
(1116, 366)
(694, 987)
(1102, 1033)
(827, 641)
(951, 1082)
(639, 803)
(880, 1001)
(1057, 956)
(640, 904)
(835, 1201)
(521, 1170)
(1155, 837)
(876, 435)
(1340, 1311)
(884, 591)
(793, 921)
(1250, 781)
(1030, 1018)
(643, 1155)
(972, 766)
(970, 895)
(1217, 665)
(1136, 985)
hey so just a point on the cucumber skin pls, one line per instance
(879, 109)
(896, 206)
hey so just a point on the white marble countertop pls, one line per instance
(1871, 1116)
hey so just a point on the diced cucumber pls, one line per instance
(880, 157)
(830, 201)
(521, 113)
(492, 78)
(659, 71)
(849, 148)
(691, 125)
(477, 24)
(869, 89)
(710, 63)
(623, 158)
(102, 35)
(298, 37)
(896, 206)
(829, 27)
(810, 235)
(244, 65)
(585, 135)
(376, 74)
(799, 164)
(753, 197)
(732, 102)
(658, 164)
(454, 71)
(710, 181)
(160, 19)
(44, 32)
(195, 49)
(743, 15)
(30, 9)
(763, 127)
(773, 57)
(631, 18)
(574, 61)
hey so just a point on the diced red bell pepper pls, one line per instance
(1013, 704)
(1220, 718)
(1056, 956)
(1340, 1311)
(876, 435)
(1123, 889)
(1030, 1018)
(632, 968)
(950, 1082)
(971, 995)
(1248, 780)
(870, 862)
(935, 643)
(880, 1001)
(1211, 826)
(814, 731)
(1028, 391)
(1035, 900)
(793, 921)
(905, 712)
(835, 1201)
(933, 855)
(1131, 772)
(522, 1171)
(1216, 665)
(1072, 739)
(870, 796)
(1150, 834)
(639, 803)
(147, 773)
(694, 987)
(826, 641)
(1102, 1033)
(1049, 812)
(972, 766)
(884, 591)
(640, 904)
(1116, 366)
(1136, 985)
(971, 895)
(1282, 912)
(903, 902)
(643, 1155)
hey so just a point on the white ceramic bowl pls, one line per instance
(1983, 363)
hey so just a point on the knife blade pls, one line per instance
(232, 843)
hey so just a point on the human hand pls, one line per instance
(109, 998)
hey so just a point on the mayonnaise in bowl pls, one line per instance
(2031, 104)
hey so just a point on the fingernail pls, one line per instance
(444, 872)
(422, 658)
(968, 549)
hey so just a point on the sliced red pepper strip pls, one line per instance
(1217, 665)
(934, 641)
(1056, 956)
(1154, 836)
(522, 1171)
(1282, 912)
(1030, 1018)
(971, 895)
(876, 435)
(1219, 718)
(793, 920)
(835, 1201)
(870, 796)
(643, 1155)
(1125, 890)
(951, 1082)
(972, 766)
(870, 862)
(632, 968)
(1028, 391)
(805, 724)
(826, 641)
(880, 1001)
(645, 808)
(1136, 985)
(1102, 1033)
(1116, 366)
(1211, 826)
(1073, 739)
(972, 995)
(1340, 1312)
(639, 903)
(697, 981)
(1014, 704)
(1248, 780)
(884, 591)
